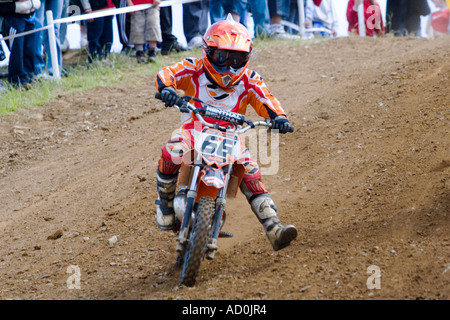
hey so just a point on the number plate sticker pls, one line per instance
(218, 147)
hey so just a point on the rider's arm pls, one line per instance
(259, 97)
(178, 76)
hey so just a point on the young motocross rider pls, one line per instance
(220, 78)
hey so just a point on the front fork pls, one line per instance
(183, 236)
(220, 209)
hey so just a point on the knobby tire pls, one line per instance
(198, 240)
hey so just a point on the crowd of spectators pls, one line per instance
(144, 33)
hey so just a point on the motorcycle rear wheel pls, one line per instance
(198, 240)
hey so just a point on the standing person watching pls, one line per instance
(260, 14)
(416, 9)
(169, 41)
(20, 16)
(219, 9)
(321, 13)
(372, 18)
(145, 28)
(438, 24)
(279, 9)
(195, 22)
(43, 63)
(99, 31)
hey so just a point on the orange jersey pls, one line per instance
(190, 77)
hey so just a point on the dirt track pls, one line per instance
(365, 178)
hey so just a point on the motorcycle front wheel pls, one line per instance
(198, 240)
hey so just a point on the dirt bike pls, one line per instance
(209, 174)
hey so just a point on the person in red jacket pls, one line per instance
(372, 17)
(439, 20)
(221, 79)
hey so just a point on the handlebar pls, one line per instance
(183, 105)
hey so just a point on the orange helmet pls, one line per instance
(226, 49)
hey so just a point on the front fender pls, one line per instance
(211, 180)
(213, 177)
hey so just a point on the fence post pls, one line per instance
(52, 43)
(301, 17)
(361, 22)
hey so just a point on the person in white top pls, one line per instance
(321, 13)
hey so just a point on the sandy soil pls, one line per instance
(365, 178)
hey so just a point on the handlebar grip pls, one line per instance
(291, 129)
(158, 96)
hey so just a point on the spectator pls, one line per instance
(219, 9)
(99, 31)
(321, 14)
(260, 14)
(396, 12)
(20, 16)
(43, 62)
(216, 11)
(372, 17)
(438, 24)
(145, 28)
(294, 16)
(123, 27)
(277, 10)
(63, 28)
(416, 8)
(85, 7)
(169, 41)
(18, 7)
(403, 16)
(2, 52)
(195, 22)
(7, 7)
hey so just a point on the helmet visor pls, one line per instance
(221, 57)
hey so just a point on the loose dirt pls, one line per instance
(365, 177)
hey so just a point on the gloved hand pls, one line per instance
(281, 123)
(169, 96)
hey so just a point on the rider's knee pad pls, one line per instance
(172, 156)
(251, 184)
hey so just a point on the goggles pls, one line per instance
(221, 57)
